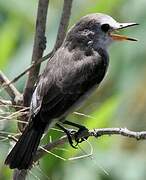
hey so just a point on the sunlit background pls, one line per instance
(119, 102)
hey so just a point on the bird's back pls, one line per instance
(69, 77)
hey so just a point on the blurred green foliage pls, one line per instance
(119, 102)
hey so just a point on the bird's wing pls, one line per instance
(66, 78)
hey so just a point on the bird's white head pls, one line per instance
(100, 29)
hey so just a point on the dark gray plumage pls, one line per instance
(74, 71)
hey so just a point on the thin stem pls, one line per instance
(38, 49)
(15, 95)
(66, 12)
(92, 133)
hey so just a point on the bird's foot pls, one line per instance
(79, 136)
(69, 133)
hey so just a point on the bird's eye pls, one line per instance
(105, 27)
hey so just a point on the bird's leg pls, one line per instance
(68, 133)
(82, 130)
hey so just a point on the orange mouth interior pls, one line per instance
(118, 37)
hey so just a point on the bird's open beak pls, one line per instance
(118, 37)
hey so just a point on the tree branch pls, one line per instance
(5, 85)
(91, 133)
(20, 175)
(40, 152)
(66, 12)
(38, 49)
(5, 102)
(15, 95)
(39, 46)
(59, 40)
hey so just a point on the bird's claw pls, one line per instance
(69, 133)
(77, 137)
(79, 133)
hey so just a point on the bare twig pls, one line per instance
(118, 131)
(38, 49)
(60, 37)
(83, 115)
(19, 175)
(94, 133)
(40, 153)
(16, 114)
(5, 102)
(14, 138)
(16, 97)
(91, 133)
(5, 85)
(66, 12)
(38, 52)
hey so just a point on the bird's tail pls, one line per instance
(21, 156)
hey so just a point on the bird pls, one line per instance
(71, 75)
